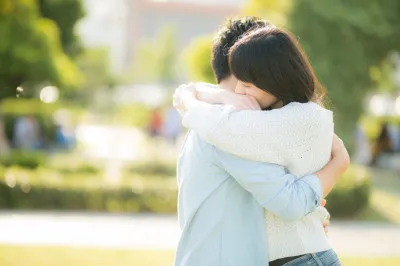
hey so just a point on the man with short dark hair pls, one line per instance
(222, 197)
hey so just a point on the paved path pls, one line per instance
(162, 232)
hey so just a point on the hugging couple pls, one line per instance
(260, 155)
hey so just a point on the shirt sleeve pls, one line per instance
(273, 188)
(267, 136)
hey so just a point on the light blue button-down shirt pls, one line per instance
(221, 205)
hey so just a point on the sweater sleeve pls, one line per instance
(269, 136)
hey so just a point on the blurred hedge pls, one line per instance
(351, 194)
(119, 199)
(25, 159)
(41, 189)
(47, 189)
(153, 167)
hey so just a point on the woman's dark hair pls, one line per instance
(225, 38)
(272, 60)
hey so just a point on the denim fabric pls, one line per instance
(324, 258)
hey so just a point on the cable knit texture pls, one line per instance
(297, 136)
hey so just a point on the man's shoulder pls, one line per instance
(204, 84)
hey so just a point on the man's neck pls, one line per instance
(228, 84)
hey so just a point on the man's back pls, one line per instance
(221, 201)
(221, 223)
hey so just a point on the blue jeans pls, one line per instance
(324, 258)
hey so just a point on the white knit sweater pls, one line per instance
(297, 136)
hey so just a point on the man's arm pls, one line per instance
(273, 188)
(280, 192)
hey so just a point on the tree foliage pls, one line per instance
(345, 40)
(155, 58)
(30, 50)
(94, 64)
(198, 60)
(275, 11)
(66, 14)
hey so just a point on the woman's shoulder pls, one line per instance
(313, 107)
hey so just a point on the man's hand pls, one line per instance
(184, 96)
(326, 222)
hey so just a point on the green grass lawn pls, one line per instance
(67, 256)
(385, 198)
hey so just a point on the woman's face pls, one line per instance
(264, 99)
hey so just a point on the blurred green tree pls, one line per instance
(30, 51)
(198, 59)
(155, 59)
(66, 14)
(348, 43)
(94, 64)
(275, 11)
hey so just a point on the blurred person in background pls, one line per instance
(394, 134)
(172, 125)
(4, 147)
(27, 134)
(383, 144)
(222, 196)
(156, 122)
(362, 151)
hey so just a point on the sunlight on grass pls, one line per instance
(370, 261)
(387, 203)
(68, 256)
(384, 203)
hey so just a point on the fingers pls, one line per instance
(326, 224)
(181, 94)
(323, 202)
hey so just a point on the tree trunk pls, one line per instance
(4, 146)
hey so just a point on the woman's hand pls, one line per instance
(221, 96)
(327, 220)
(187, 94)
(239, 101)
(184, 97)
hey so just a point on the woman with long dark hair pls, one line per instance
(272, 73)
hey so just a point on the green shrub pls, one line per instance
(46, 189)
(74, 163)
(83, 168)
(25, 159)
(155, 167)
(137, 115)
(351, 193)
(23, 189)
